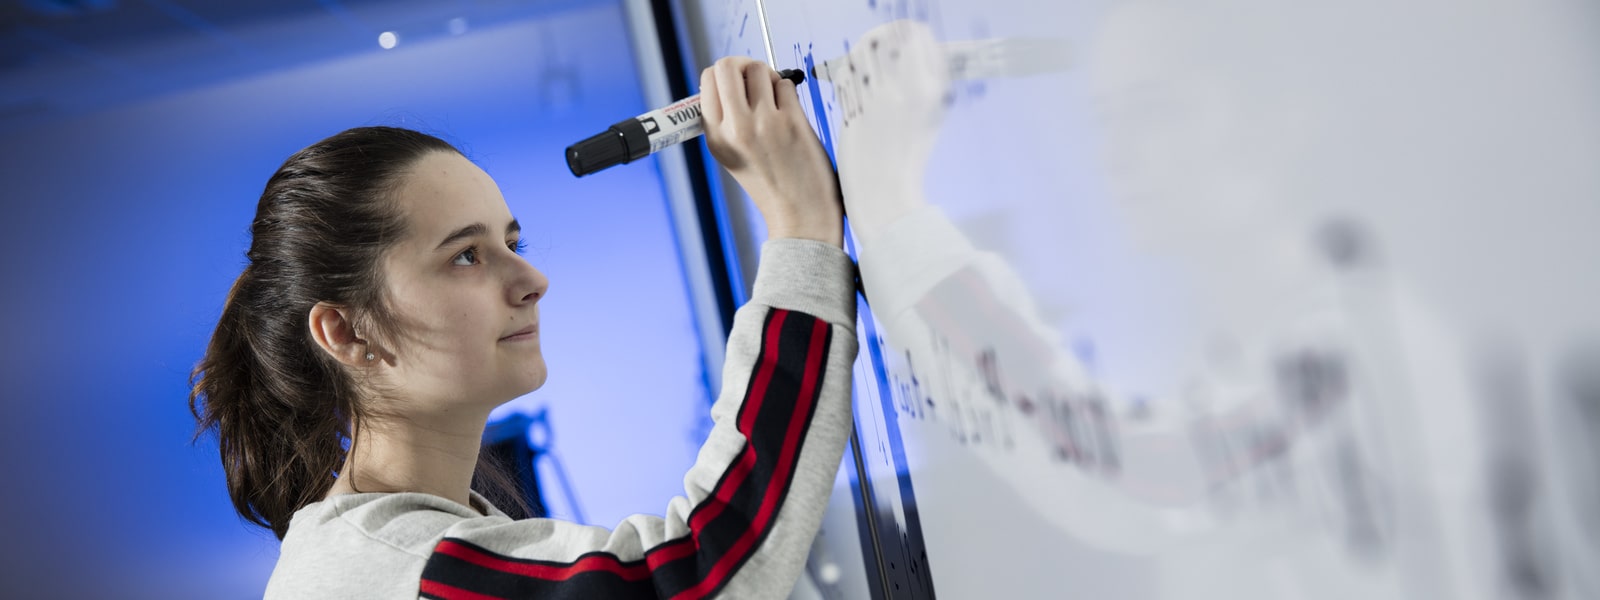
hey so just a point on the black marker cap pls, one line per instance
(622, 143)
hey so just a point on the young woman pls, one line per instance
(384, 312)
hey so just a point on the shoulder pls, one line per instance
(365, 545)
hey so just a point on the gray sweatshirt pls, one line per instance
(752, 502)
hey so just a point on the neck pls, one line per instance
(435, 457)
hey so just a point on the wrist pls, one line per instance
(831, 233)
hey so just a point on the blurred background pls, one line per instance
(135, 139)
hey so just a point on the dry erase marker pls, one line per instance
(632, 139)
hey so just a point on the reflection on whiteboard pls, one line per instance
(1228, 298)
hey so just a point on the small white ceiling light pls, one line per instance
(388, 40)
(458, 26)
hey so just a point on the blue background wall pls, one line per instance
(124, 225)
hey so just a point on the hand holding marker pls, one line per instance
(632, 139)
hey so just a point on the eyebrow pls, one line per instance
(474, 230)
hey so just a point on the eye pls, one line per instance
(518, 246)
(466, 258)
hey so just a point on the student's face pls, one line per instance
(460, 292)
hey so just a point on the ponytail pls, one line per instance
(280, 445)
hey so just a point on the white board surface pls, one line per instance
(1213, 299)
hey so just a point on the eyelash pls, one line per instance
(517, 246)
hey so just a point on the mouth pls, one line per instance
(526, 333)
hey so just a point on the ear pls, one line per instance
(334, 331)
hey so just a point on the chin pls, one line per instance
(538, 381)
(533, 378)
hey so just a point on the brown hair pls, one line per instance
(282, 409)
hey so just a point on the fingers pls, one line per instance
(731, 86)
(710, 104)
(758, 81)
(788, 101)
(785, 96)
(737, 89)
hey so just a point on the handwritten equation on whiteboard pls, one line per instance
(1292, 442)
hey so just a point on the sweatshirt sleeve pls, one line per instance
(756, 493)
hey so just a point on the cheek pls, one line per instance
(468, 333)
(454, 327)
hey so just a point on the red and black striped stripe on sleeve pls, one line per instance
(725, 528)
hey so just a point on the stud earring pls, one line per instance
(370, 356)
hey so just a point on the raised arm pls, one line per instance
(755, 496)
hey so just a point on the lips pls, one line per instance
(525, 333)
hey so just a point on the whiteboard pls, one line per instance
(1206, 299)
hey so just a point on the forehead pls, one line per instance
(443, 192)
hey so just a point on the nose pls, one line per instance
(528, 285)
